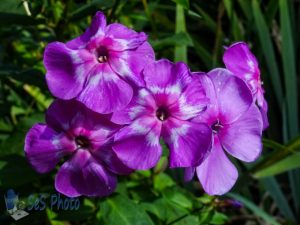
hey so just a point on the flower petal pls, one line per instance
(83, 175)
(217, 174)
(240, 61)
(105, 92)
(211, 113)
(112, 162)
(189, 173)
(191, 102)
(242, 139)
(45, 147)
(66, 70)
(123, 38)
(264, 114)
(141, 104)
(169, 74)
(189, 143)
(96, 29)
(137, 145)
(128, 64)
(234, 96)
(60, 113)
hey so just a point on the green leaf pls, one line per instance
(268, 50)
(202, 52)
(38, 96)
(281, 201)
(184, 3)
(30, 76)
(288, 163)
(219, 218)
(289, 68)
(179, 39)
(12, 6)
(255, 209)
(187, 220)
(208, 20)
(175, 196)
(162, 181)
(234, 20)
(90, 8)
(165, 210)
(119, 209)
(280, 153)
(180, 51)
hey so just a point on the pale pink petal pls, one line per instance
(217, 174)
(242, 139)
(234, 96)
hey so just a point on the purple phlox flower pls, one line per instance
(163, 109)
(237, 128)
(241, 62)
(100, 67)
(84, 138)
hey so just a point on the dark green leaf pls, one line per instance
(119, 209)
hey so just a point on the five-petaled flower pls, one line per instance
(84, 137)
(241, 62)
(164, 107)
(100, 67)
(237, 128)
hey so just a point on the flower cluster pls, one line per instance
(116, 103)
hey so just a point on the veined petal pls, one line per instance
(105, 92)
(169, 74)
(217, 174)
(60, 113)
(234, 96)
(137, 145)
(66, 115)
(264, 114)
(191, 102)
(45, 147)
(141, 104)
(112, 162)
(242, 139)
(66, 70)
(128, 64)
(96, 29)
(189, 143)
(211, 113)
(83, 175)
(189, 173)
(124, 38)
(240, 61)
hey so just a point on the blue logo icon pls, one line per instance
(11, 202)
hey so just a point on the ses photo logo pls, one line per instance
(18, 209)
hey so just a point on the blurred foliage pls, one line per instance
(181, 30)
